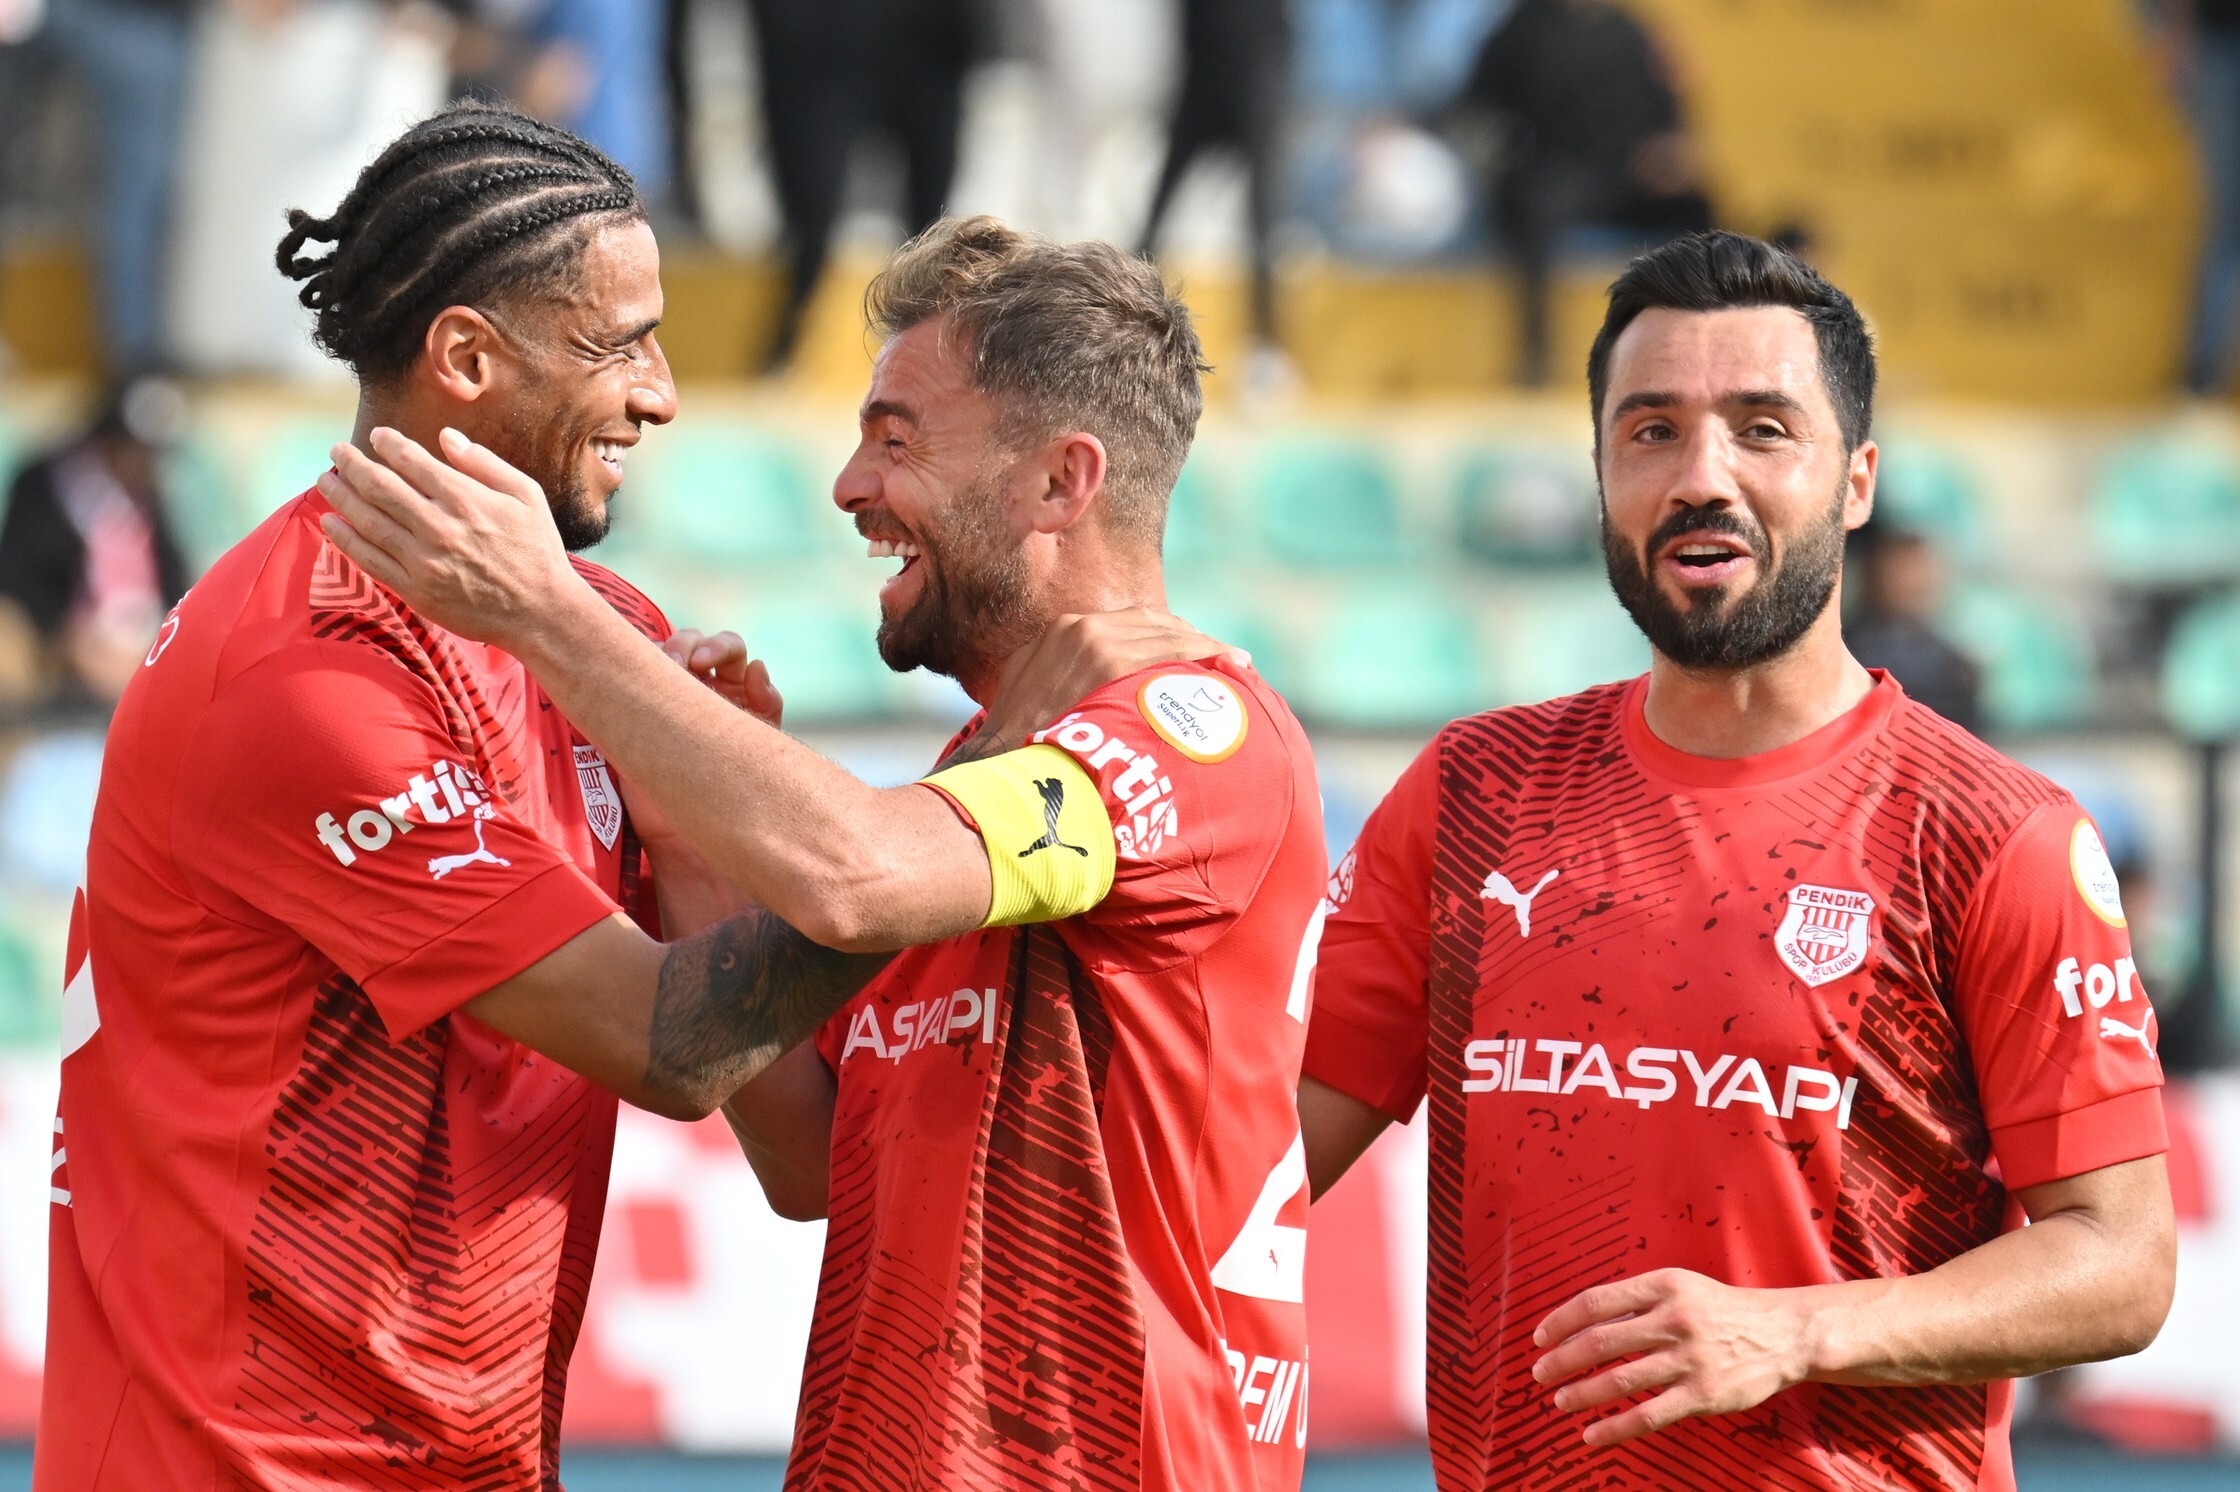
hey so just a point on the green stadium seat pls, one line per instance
(2201, 670)
(1560, 637)
(2035, 654)
(30, 990)
(1930, 490)
(726, 495)
(1526, 509)
(1194, 520)
(824, 659)
(1327, 503)
(201, 499)
(289, 460)
(2166, 512)
(1394, 658)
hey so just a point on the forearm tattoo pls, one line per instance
(737, 997)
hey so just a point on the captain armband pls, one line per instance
(1049, 841)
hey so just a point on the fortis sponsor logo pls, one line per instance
(934, 1022)
(1131, 778)
(444, 792)
(1654, 1075)
(2096, 987)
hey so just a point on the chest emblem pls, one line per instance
(1824, 933)
(1500, 888)
(602, 805)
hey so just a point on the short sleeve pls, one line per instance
(1197, 772)
(330, 797)
(1369, 1036)
(2062, 1034)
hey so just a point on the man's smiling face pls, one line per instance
(583, 376)
(1726, 487)
(928, 485)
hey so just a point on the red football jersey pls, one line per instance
(1785, 1020)
(314, 1226)
(1068, 1201)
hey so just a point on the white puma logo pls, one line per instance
(443, 865)
(1499, 888)
(2110, 1028)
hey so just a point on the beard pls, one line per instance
(972, 595)
(555, 465)
(1763, 622)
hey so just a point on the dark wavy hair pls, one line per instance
(1722, 271)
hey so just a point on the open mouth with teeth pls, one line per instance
(901, 549)
(1706, 561)
(609, 453)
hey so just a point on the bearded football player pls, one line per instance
(364, 956)
(1757, 1005)
(1061, 1163)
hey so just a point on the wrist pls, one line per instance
(1827, 1338)
(552, 626)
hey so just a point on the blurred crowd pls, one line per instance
(168, 135)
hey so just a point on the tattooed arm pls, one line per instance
(676, 1028)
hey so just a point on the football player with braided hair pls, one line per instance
(370, 942)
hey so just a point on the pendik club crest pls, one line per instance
(1825, 932)
(602, 805)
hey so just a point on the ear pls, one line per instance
(1858, 492)
(460, 354)
(1072, 471)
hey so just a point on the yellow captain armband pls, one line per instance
(1049, 841)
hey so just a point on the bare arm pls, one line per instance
(2090, 1278)
(1337, 1129)
(783, 1120)
(676, 1029)
(854, 867)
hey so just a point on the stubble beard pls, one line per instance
(971, 607)
(1765, 622)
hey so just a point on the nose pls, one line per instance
(1706, 476)
(857, 486)
(653, 397)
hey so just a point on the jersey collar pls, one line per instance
(1837, 739)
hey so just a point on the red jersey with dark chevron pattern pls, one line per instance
(1783, 1020)
(1068, 1196)
(314, 1227)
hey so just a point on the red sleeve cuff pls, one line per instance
(486, 950)
(2108, 1133)
(1365, 1064)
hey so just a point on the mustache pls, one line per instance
(877, 526)
(1708, 521)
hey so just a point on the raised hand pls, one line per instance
(467, 541)
(1700, 1347)
(720, 661)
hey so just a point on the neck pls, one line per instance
(1726, 713)
(399, 412)
(1083, 586)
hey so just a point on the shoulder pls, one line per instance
(1584, 727)
(1962, 786)
(633, 604)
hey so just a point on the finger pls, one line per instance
(487, 466)
(1666, 1409)
(1601, 1343)
(761, 696)
(367, 521)
(725, 653)
(367, 557)
(1600, 1303)
(1623, 1381)
(443, 486)
(379, 487)
(679, 646)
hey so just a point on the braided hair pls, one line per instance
(472, 204)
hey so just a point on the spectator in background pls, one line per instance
(88, 561)
(132, 56)
(1593, 139)
(1896, 628)
(833, 70)
(1236, 61)
(596, 68)
(2203, 43)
